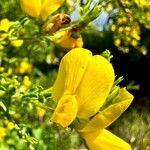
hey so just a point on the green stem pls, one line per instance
(42, 106)
(46, 92)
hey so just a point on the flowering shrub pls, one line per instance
(72, 108)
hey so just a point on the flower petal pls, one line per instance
(65, 39)
(104, 140)
(65, 111)
(32, 7)
(49, 6)
(110, 114)
(71, 70)
(95, 86)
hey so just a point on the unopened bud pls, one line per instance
(55, 23)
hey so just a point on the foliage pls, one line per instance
(128, 127)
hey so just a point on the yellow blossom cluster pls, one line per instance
(140, 9)
(5, 25)
(145, 19)
(128, 16)
(127, 32)
(25, 68)
(138, 3)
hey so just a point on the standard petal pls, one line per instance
(95, 86)
(104, 140)
(32, 7)
(71, 70)
(107, 116)
(49, 6)
(65, 111)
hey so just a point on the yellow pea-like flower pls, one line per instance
(40, 9)
(86, 80)
(81, 88)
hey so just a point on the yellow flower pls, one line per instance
(134, 42)
(135, 34)
(113, 27)
(40, 112)
(10, 125)
(40, 9)
(120, 30)
(5, 24)
(26, 81)
(94, 132)
(1, 47)
(25, 67)
(16, 43)
(117, 42)
(142, 3)
(26, 84)
(82, 86)
(81, 90)
(108, 7)
(2, 69)
(66, 40)
(2, 133)
(127, 29)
